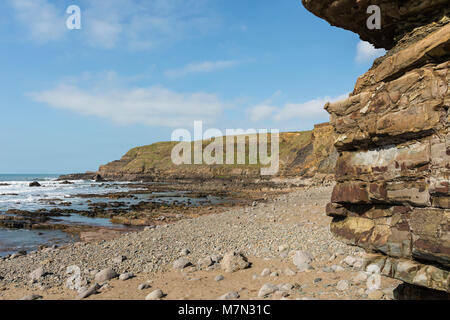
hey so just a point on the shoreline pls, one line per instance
(294, 220)
(140, 205)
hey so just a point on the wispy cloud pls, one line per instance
(131, 24)
(201, 67)
(366, 52)
(152, 106)
(42, 21)
(289, 115)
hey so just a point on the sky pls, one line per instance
(72, 100)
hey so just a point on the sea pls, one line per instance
(15, 193)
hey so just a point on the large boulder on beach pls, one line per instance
(234, 261)
(105, 275)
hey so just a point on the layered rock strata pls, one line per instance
(393, 170)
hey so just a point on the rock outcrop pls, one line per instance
(393, 169)
(302, 154)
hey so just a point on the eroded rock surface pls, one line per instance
(393, 169)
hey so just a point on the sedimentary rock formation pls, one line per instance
(393, 169)
(301, 154)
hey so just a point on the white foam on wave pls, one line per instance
(19, 195)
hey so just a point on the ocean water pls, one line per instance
(15, 193)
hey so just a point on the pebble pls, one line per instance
(229, 296)
(375, 295)
(185, 252)
(31, 297)
(219, 278)
(266, 272)
(119, 259)
(126, 276)
(342, 285)
(155, 295)
(280, 294)
(234, 261)
(285, 287)
(267, 289)
(349, 261)
(302, 260)
(37, 274)
(374, 282)
(360, 278)
(336, 268)
(205, 262)
(274, 274)
(289, 272)
(105, 275)
(144, 286)
(181, 263)
(216, 258)
(87, 293)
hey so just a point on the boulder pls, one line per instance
(234, 261)
(105, 275)
(126, 276)
(89, 292)
(99, 178)
(35, 184)
(155, 295)
(205, 262)
(181, 263)
(302, 260)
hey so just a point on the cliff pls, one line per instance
(393, 168)
(301, 154)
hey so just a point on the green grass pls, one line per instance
(158, 156)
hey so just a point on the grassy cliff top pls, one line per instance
(296, 150)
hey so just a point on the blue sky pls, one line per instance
(138, 69)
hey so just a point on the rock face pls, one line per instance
(398, 17)
(393, 168)
(301, 154)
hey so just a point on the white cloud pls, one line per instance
(152, 106)
(307, 110)
(104, 33)
(292, 116)
(41, 19)
(260, 112)
(201, 67)
(131, 24)
(366, 52)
